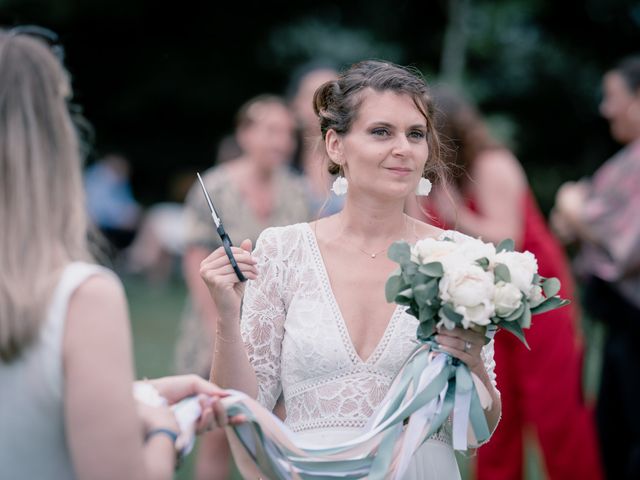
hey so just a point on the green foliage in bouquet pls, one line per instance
(509, 302)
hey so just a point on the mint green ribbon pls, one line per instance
(451, 389)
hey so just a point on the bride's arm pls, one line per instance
(247, 349)
(231, 367)
(468, 346)
(488, 378)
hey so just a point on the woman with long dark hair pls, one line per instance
(541, 388)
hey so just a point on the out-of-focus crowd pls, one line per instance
(272, 171)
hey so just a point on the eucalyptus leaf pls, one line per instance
(506, 245)
(517, 313)
(451, 314)
(550, 304)
(426, 292)
(433, 269)
(392, 287)
(425, 331)
(409, 269)
(400, 300)
(407, 293)
(515, 329)
(405, 297)
(501, 272)
(426, 314)
(483, 263)
(525, 320)
(551, 287)
(412, 310)
(400, 252)
(419, 279)
(421, 294)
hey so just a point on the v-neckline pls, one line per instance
(381, 345)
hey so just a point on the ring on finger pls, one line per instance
(467, 346)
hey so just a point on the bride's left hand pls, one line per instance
(464, 344)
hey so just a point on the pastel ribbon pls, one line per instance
(428, 388)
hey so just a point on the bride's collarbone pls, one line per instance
(354, 263)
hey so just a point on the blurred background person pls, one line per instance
(158, 247)
(66, 371)
(228, 149)
(112, 207)
(541, 388)
(250, 193)
(311, 162)
(602, 215)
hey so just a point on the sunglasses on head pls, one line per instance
(44, 34)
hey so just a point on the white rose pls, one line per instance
(431, 250)
(535, 296)
(522, 267)
(469, 288)
(507, 298)
(474, 249)
(478, 315)
(445, 321)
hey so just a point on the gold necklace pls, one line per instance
(375, 254)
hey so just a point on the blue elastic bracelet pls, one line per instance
(170, 433)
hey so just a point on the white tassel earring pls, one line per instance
(340, 186)
(424, 187)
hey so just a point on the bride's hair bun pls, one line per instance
(326, 105)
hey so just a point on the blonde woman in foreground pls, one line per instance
(66, 369)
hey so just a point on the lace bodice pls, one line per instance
(298, 343)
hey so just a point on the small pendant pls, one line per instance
(373, 255)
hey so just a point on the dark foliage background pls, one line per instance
(160, 81)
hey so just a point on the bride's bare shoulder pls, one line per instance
(424, 230)
(325, 228)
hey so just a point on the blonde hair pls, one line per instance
(42, 210)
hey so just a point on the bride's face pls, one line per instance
(385, 151)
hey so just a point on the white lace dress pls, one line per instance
(299, 346)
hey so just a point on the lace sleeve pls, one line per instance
(490, 363)
(490, 366)
(263, 315)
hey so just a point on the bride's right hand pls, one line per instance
(221, 280)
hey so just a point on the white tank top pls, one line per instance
(32, 433)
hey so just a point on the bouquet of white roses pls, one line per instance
(466, 282)
(463, 281)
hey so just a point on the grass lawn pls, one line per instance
(155, 315)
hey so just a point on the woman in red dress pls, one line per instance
(541, 388)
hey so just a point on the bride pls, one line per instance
(313, 323)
